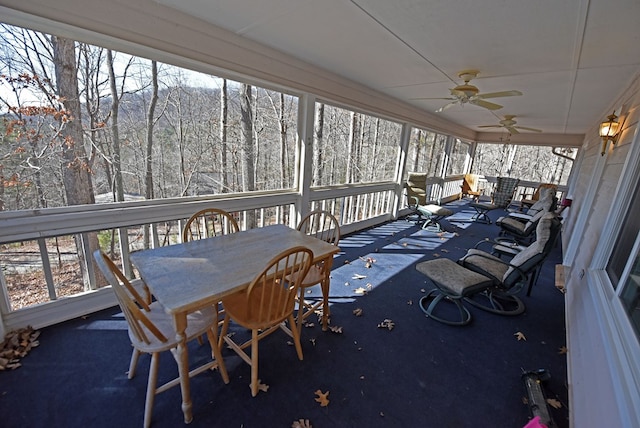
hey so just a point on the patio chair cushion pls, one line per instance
(484, 263)
(435, 210)
(516, 227)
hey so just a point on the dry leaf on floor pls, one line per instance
(336, 329)
(261, 386)
(301, 423)
(387, 323)
(368, 262)
(361, 291)
(358, 276)
(346, 262)
(357, 312)
(563, 350)
(322, 398)
(444, 251)
(554, 403)
(436, 255)
(16, 345)
(410, 302)
(404, 244)
(520, 336)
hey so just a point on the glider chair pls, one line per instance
(322, 225)
(519, 230)
(546, 203)
(152, 331)
(504, 191)
(431, 214)
(502, 247)
(511, 276)
(482, 280)
(500, 198)
(265, 305)
(416, 188)
(470, 187)
(540, 190)
(208, 223)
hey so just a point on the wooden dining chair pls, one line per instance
(152, 331)
(266, 304)
(322, 225)
(208, 223)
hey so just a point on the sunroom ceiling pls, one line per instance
(569, 58)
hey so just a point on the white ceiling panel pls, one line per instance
(569, 58)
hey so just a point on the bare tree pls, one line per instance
(318, 145)
(224, 113)
(248, 149)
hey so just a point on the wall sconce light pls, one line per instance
(609, 130)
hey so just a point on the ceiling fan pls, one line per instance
(467, 93)
(510, 125)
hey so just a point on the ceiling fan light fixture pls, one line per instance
(468, 90)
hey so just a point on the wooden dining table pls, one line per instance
(192, 275)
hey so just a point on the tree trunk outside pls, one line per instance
(115, 134)
(248, 150)
(148, 176)
(76, 169)
(317, 146)
(224, 112)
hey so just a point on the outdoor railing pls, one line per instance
(40, 263)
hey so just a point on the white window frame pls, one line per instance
(624, 344)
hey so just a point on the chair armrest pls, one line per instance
(415, 200)
(484, 241)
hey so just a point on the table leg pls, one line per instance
(182, 356)
(325, 292)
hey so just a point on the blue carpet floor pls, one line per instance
(419, 373)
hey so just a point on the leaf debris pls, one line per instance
(261, 386)
(357, 312)
(387, 323)
(520, 336)
(554, 403)
(322, 398)
(301, 423)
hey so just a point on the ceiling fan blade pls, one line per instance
(443, 108)
(529, 129)
(499, 94)
(438, 98)
(485, 104)
(512, 130)
(490, 126)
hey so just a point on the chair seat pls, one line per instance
(197, 324)
(485, 264)
(433, 213)
(433, 209)
(314, 276)
(482, 208)
(247, 313)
